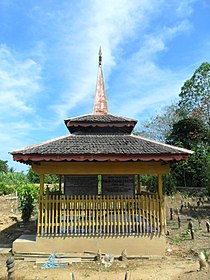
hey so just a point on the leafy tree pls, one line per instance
(4, 166)
(159, 127)
(193, 173)
(5, 189)
(191, 133)
(195, 94)
(13, 178)
(32, 176)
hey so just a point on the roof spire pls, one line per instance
(100, 103)
(100, 57)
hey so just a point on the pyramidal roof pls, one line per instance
(100, 137)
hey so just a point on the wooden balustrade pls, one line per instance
(105, 215)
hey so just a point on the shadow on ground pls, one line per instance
(11, 233)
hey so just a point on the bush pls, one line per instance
(27, 195)
(5, 189)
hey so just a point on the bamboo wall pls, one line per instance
(61, 215)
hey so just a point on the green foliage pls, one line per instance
(51, 179)
(191, 133)
(13, 178)
(5, 189)
(195, 97)
(150, 181)
(193, 173)
(159, 127)
(27, 195)
(3, 166)
(32, 176)
(188, 132)
(169, 184)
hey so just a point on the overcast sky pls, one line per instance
(49, 54)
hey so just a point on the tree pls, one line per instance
(191, 133)
(33, 177)
(159, 127)
(195, 94)
(4, 166)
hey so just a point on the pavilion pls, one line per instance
(99, 203)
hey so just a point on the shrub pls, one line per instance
(27, 195)
(5, 189)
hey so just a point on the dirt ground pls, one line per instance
(180, 262)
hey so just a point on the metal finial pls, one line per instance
(100, 57)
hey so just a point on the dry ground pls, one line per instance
(180, 262)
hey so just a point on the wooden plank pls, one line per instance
(97, 214)
(129, 215)
(104, 214)
(49, 214)
(64, 218)
(120, 168)
(132, 213)
(46, 213)
(53, 214)
(150, 214)
(71, 214)
(75, 216)
(122, 214)
(39, 222)
(89, 214)
(56, 260)
(56, 215)
(139, 207)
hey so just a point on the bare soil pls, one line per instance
(180, 262)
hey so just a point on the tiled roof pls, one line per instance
(108, 118)
(100, 124)
(68, 147)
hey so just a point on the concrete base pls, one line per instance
(139, 246)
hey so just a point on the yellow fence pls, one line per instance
(104, 215)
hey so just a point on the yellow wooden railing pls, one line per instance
(104, 215)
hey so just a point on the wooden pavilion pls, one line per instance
(99, 204)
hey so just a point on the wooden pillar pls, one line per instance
(160, 193)
(139, 185)
(160, 186)
(40, 214)
(60, 179)
(41, 178)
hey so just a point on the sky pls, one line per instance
(49, 61)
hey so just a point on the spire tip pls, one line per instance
(100, 57)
